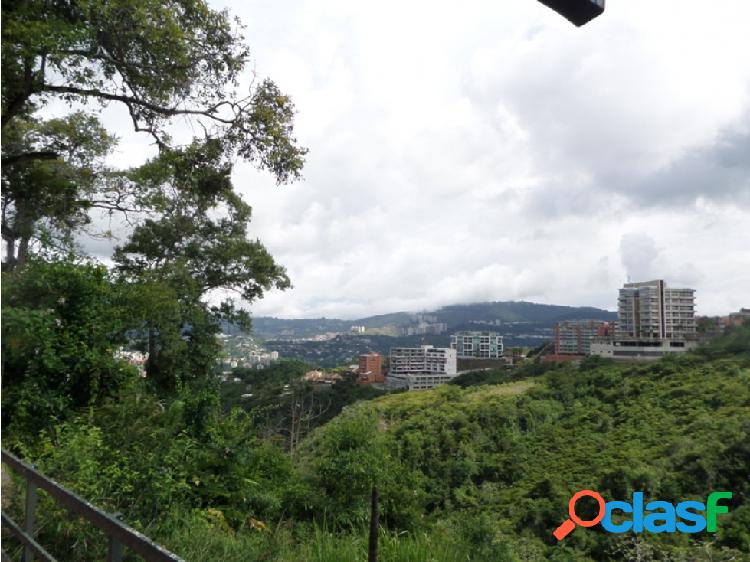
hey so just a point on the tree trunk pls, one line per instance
(23, 251)
(151, 366)
(10, 255)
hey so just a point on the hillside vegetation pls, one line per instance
(499, 462)
(473, 472)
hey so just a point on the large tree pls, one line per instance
(162, 60)
(165, 62)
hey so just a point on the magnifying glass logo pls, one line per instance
(569, 524)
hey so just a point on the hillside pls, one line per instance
(498, 463)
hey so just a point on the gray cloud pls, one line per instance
(719, 171)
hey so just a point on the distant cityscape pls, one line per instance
(243, 351)
(653, 320)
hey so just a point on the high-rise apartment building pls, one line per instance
(477, 345)
(370, 368)
(652, 320)
(420, 368)
(651, 310)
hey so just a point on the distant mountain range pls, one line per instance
(476, 316)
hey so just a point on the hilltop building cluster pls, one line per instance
(653, 320)
(426, 366)
(243, 351)
(425, 329)
(420, 325)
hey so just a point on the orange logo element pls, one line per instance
(569, 524)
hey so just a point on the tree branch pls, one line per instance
(134, 101)
(17, 103)
(36, 155)
(101, 54)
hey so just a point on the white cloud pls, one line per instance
(639, 256)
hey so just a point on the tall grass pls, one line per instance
(197, 540)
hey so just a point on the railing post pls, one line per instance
(30, 524)
(114, 553)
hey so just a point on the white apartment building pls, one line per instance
(477, 345)
(421, 368)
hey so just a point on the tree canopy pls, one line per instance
(160, 59)
(163, 61)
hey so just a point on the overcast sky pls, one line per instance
(490, 150)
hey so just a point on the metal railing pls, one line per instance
(120, 535)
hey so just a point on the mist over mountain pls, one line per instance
(518, 311)
(477, 316)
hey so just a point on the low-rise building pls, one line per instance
(136, 358)
(421, 368)
(321, 377)
(573, 337)
(736, 318)
(643, 350)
